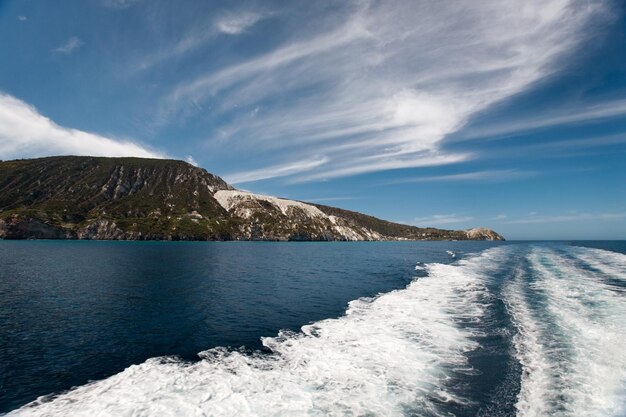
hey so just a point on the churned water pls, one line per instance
(313, 329)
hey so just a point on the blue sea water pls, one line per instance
(254, 328)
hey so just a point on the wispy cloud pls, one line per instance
(22, 18)
(69, 46)
(570, 217)
(373, 90)
(324, 199)
(119, 4)
(25, 133)
(479, 176)
(572, 116)
(439, 219)
(274, 171)
(362, 165)
(231, 23)
(555, 147)
(238, 22)
(191, 160)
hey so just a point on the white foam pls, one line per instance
(386, 355)
(536, 381)
(572, 348)
(607, 262)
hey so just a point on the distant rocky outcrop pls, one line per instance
(73, 197)
(482, 233)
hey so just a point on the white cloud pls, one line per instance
(236, 23)
(275, 171)
(566, 116)
(191, 161)
(199, 35)
(570, 217)
(487, 175)
(382, 85)
(439, 219)
(25, 133)
(69, 46)
(325, 199)
(382, 162)
(559, 148)
(216, 82)
(22, 18)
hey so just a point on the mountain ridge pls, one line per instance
(76, 197)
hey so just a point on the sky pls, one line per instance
(453, 114)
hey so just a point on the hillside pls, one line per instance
(73, 197)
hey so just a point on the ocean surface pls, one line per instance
(312, 329)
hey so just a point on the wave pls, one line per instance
(386, 356)
(570, 336)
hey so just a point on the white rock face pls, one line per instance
(230, 198)
(482, 233)
(248, 205)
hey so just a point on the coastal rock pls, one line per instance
(482, 233)
(101, 230)
(22, 227)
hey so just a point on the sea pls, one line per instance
(100, 328)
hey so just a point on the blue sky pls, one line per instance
(507, 115)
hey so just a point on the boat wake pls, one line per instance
(571, 332)
(405, 352)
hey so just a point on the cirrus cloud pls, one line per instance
(440, 219)
(236, 23)
(381, 85)
(69, 46)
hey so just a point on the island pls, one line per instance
(98, 198)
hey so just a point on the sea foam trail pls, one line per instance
(610, 263)
(571, 332)
(535, 378)
(386, 356)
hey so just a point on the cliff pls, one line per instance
(148, 199)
